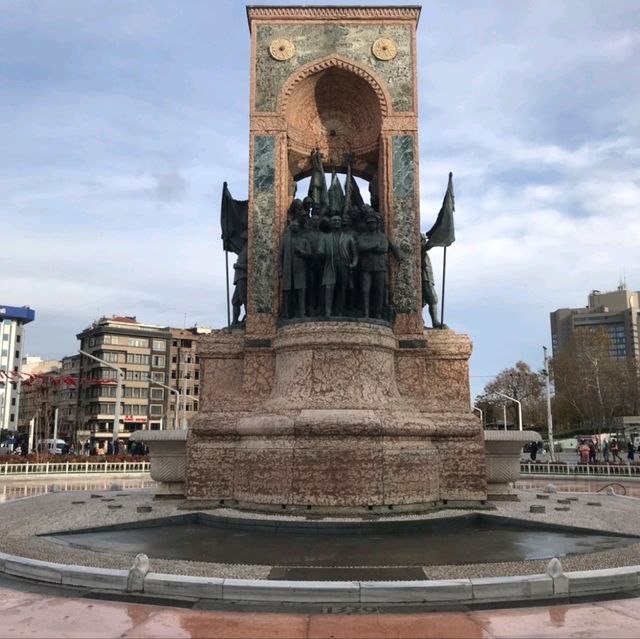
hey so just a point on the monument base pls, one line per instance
(335, 417)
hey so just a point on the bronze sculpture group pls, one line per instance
(334, 257)
(337, 265)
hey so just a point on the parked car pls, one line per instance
(7, 446)
(51, 446)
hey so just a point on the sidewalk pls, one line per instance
(29, 614)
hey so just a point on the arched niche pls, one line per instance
(338, 108)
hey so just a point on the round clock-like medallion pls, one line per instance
(282, 49)
(384, 49)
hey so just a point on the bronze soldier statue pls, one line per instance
(340, 256)
(373, 247)
(429, 296)
(239, 298)
(294, 253)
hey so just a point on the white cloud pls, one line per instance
(120, 121)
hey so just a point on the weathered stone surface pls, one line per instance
(335, 429)
(317, 41)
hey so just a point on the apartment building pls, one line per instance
(66, 398)
(161, 377)
(616, 311)
(184, 374)
(141, 352)
(12, 322)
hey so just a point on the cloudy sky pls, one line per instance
(119, 121)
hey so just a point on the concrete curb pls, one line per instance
(452, 591)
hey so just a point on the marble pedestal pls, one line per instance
(335, 417)
(167, 459)
(504, 448)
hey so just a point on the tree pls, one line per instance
(521, 383)
(592, 386)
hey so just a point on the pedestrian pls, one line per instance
(533, 450)
(615, 451)
(630, 450)
(583, 449)
(592, 452)
(605, 451)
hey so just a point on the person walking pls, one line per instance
(584, 452)
(605, 451)
(630, 450)
(615, 451)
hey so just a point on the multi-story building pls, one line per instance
(617, 312)
(159, 365)
(12, 321)
(141, 351)
(66, 398)
(184, 373)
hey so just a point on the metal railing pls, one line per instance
(73, 468)
(581, 470)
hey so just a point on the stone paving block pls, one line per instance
(537, 509)
(181, 586)
(562, 508)
(504, 588)
(594, 503)
(95, 578)
(144, 509)
(608, 579)
(290, 591)
(416, 591)
(33, 569)
(542, 496)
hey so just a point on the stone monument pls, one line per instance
(353, 407)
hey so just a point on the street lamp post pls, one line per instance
(119, 378)
(513, 399)
(171, 390)
(480, 411)
(549, 416)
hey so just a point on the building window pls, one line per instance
(136, 358)
(110, 339)
(159, 345)
(157, 393)
(17, 339)
(138, 342)
(157, 376)
(174, 359)
(186, 343)
(158, 361)
(109, 356)
(156, 409)
(5, 337)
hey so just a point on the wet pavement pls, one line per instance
(29, 610)
(27, 613)
(30, 488)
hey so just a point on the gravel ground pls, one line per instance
(22, 520)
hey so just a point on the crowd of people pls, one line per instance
(590, 452)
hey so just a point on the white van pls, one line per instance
(51, 446)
